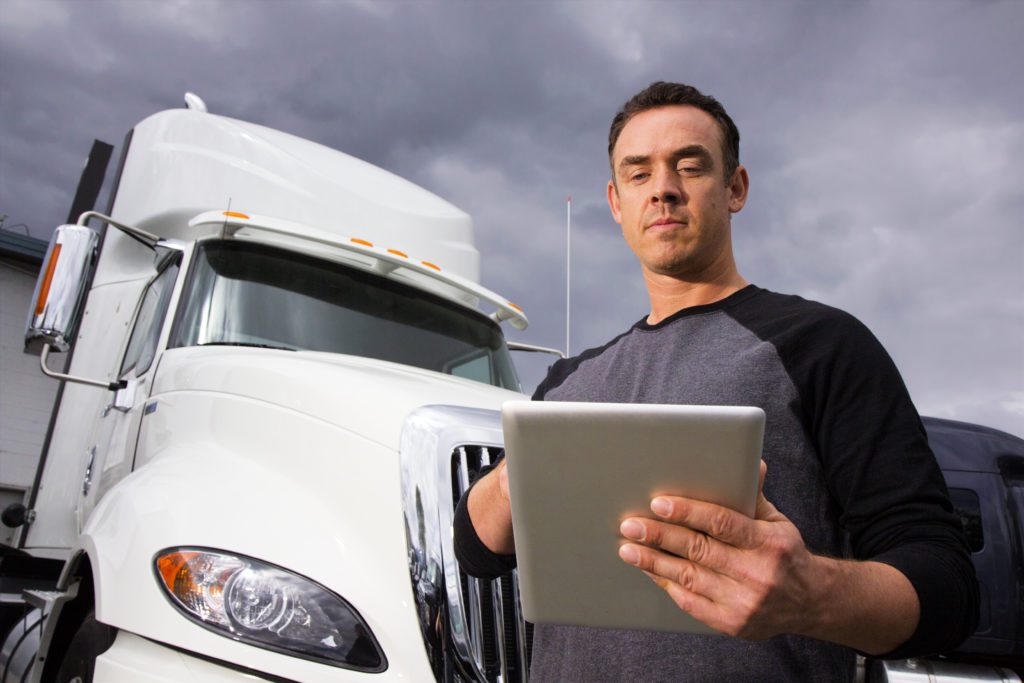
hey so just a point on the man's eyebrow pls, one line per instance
(693, 151)
(634, 160)
(690, 151)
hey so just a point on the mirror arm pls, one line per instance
(112, 386)
(519, 346)
(146, 238)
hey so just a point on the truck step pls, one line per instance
(44, 600)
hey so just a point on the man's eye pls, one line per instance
(640, 175)
(690, 169)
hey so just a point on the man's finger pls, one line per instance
(697, 606)
(765, 510)
(690, 576)
(503, 480)
(681, 542)
(714, 613)
(716, 521)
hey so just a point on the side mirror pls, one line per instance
(60, 289)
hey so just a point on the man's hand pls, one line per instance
(491, 512)
(755, 578)
(744, 577)
(503, 481)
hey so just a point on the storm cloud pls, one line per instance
(885, 142)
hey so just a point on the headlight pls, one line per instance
(268, 606)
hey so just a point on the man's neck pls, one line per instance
(670, 294)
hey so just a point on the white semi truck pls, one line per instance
(283, 372)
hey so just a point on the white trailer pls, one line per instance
(283, 372)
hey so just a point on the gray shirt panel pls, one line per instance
(704, 359)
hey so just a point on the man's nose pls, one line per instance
(667, 188)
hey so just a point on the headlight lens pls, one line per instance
(268, 606)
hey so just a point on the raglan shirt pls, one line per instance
(848, 463)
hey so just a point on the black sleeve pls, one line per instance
(882, 473)
(475, 558)
(878, 466)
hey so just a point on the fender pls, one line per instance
(250, 477)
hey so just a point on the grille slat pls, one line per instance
(474, 597)
(499, 638)
(524, 630)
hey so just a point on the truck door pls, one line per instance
(111, 455)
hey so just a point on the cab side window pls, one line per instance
(149, 322)
(478, 369)
(968, 509)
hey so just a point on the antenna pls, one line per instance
(224, 225)
(568, 269)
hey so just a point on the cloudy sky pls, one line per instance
(884, 140)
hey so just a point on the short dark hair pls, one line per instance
(664, 94)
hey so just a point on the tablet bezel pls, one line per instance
(576, 470)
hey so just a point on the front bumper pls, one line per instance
(132, 659)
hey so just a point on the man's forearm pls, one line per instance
(491, 514)
(869, 606)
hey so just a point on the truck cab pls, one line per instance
(237, 470)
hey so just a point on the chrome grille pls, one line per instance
(472, 629)
(499, 638)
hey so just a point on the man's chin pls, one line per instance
(679, 270)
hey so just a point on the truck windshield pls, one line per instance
(252, 295)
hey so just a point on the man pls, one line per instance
(849, 471)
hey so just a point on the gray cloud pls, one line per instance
(884, 142)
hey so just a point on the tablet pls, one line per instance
(576, 470)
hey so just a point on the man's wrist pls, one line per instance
(490, 514)
(868, 606)
(822, 582)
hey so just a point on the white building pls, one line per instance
(26, 395)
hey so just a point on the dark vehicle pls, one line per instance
(984, 469)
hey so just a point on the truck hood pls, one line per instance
(369, 397)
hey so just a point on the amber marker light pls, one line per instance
(428, 264)
(173, 566)
(235, 214)
(362, 242)
(516, 307)
(398, 253)
(44, 291)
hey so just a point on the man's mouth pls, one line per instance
(667, 222)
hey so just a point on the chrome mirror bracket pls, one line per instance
(112, 386)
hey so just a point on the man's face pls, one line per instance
(670, 195)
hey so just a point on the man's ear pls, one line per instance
(613, 202)
(738, 188)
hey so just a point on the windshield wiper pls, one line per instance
(252, 344)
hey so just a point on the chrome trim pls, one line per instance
(533, 348)
(87, 480)
(936, 671)
(454, 598)
(464, 632)
(56, 323)
(143, 236)
(525, 636)
(112, 386)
